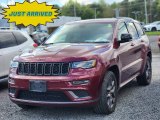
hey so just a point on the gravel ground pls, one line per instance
(134, 103)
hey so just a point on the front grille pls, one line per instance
(43, 69)
(50, 96)
(12, 90)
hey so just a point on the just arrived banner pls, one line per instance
(33, 13)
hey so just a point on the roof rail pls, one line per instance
(127, 18)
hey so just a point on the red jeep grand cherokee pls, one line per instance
(82, 63)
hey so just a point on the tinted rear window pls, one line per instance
(139, 29)
(20, 37)
(7, 40)
(132, 30)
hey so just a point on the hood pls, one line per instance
(65, 50)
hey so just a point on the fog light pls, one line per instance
(80, 82)
(11, 81)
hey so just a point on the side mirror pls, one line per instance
(125, 38)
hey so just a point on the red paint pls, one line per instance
(128, 59)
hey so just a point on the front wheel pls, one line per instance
(108, 97)
(145, 78)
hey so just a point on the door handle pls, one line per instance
(20, 50)
(132, 44)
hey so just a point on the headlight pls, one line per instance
(84, 64)
(14, 64)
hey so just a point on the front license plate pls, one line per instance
(38, 86)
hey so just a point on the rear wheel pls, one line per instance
(108, 97)
(154, 29)
(145, 78)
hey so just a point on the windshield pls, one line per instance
(82, 33)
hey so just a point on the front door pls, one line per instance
(128, 52)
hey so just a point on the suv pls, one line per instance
(82, 63)
(155, 26)
(12, 43)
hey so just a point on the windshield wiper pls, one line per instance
(98, 42)
(48, 44)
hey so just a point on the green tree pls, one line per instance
(83, 11)
(68, 8)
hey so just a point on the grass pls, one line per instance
(153, 33)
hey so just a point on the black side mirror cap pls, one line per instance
(125, 38)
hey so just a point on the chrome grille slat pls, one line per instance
(21, 68)
(43, 69)
(33, 68)
(40, 69)
(26, 69)
(56, 69)
(47, 71)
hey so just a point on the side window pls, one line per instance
(139, 29)
(122, 30)
(19, 37)
(7, 40)
(132, 30)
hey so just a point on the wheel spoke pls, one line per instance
(148, 71)
(111, 93)
(112, 90)
(111, 85)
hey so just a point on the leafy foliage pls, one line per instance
(128, 8)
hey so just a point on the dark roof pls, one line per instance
(95, 20)
(126, 19)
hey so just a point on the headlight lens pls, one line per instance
(14, 64)
(84, 64)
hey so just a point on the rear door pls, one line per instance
(136, 49)
(158, 26)
(24, 41)
(142, 41)
(8, 50)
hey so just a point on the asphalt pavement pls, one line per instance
(134, 103)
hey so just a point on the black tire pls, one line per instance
(108, 96)
(154, 29)
(25, 106)
(145, 78)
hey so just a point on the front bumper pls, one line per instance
(67, 93)
(60, 104)
(159, 44)
(147, 29)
